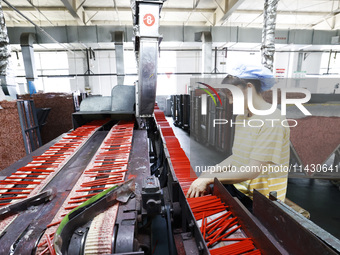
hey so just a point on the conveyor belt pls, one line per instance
(225, 225)
(213, 224)
(205, 209)
(29, 180)
(107, 168)
(220, 228)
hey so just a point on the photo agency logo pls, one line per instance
(204, 101)
(239, 105)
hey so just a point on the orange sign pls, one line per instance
(149, 20)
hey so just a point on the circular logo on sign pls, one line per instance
(149, 20)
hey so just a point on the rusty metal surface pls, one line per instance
(250, 225)
(189, 225)
(190, 234)
(179, 244)
(139, 159)
(189, 244)
(30, 225)
(293, 236)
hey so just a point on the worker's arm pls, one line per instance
(200, 185)
(223, 166)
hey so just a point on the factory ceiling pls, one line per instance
(292, 14)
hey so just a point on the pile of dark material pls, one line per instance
(59, 119)
(315, 138)
(12, 147)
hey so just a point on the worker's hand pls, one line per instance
(199, 187)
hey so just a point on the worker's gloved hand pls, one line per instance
(199, 187)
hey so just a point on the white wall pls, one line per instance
(314, 64)
(170, 62)
(281, 66)
(191, 62)
(311, 62)
(187, 62)
(104, 63)
(46, 63)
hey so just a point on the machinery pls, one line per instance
(180, 108)
(117, 185)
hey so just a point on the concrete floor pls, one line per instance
(319, 197)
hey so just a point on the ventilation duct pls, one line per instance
(118, 38)
(7, 81)
(206, 39)
(26, 43)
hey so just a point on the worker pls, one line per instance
(260, 154)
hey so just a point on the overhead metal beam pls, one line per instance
(89, 20)
(13, 19)
(40, 29)
(102, 23)
(199, 10)
(81, 4)
(325, 18)
(336, 22)
(216, 16)
(126, 9)
(219, 6)
(206, 18)
(37, 9)
(258, 24)
(116, 9)
(230, 6)
(194, 7)
(32, 9)
(305, 13)
(77, 11)
(22, 23)
(106, 9)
